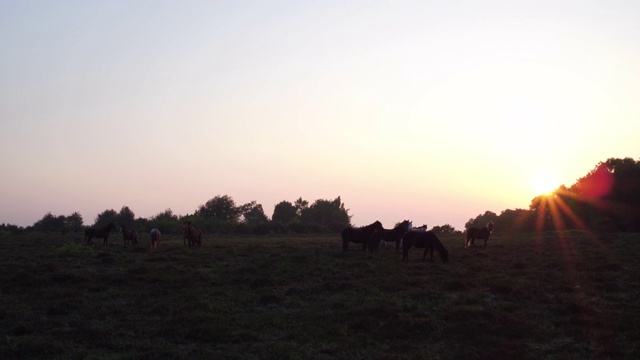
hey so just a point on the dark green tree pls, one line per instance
(126, 217)
(481, 220)
(444, 229)
(253, 214)
(166, 221)
(221, 208)
(104, 218)
(300, 206)
(284, 212)
(74, 222)
(330, 213)
(50, 223)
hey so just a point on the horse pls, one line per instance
(478, 233)
(155, 237)
(99, 234)
(193, 235)
(359, 235)
(393, 235)
(427, 240)
(129, 236)
(422, 228)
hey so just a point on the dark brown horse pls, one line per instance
(359, 235)
(129, 236)
(191, 234)
(479, 233)
(393, 235)
(423, 240)
(155, 238)
(103, 233)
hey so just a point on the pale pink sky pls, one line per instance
(428, 111)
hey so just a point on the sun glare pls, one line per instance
(543, 184)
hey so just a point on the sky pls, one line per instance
(431, 111)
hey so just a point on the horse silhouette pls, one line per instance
(479, 233)
(155, 238)
(392, 235)
(129, 236)
(359, 235)
(191, 234)
(99, 234)
(423, 240)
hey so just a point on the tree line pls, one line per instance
(607, 199)
(220, 214)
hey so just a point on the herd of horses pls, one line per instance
(406, 236)
(190, 234)
(370, 236)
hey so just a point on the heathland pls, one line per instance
(553, 295)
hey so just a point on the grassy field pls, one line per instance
(554, 296)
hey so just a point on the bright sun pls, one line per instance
(543, 184)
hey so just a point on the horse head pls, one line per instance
(405, 225)
(377, 225)
(490, 226)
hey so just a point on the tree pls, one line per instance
(221, 208)
(444, 229)
(300, 206)
(166, 222)
(126, 217)
(481, 220)
(74, 222)
(254, 214)
(284, 212)
(166, 215)
(330, 213)
(104, 218)
(50, 222)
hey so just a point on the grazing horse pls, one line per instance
(359, 235)
(427, 240)
(193, 235)
(393, 235)
(155, 238)
(129, 236)
(479, 233)
(99, 234)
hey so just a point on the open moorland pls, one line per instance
(570, 295)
